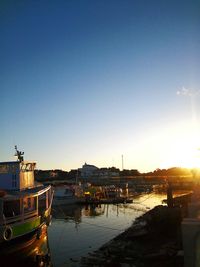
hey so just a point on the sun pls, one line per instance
(183, 151)
(189, 157)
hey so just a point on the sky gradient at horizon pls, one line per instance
(89, 81)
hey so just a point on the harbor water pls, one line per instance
(77, 230)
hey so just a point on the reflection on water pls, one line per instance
(27, 252)
(75, 231)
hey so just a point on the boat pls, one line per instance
(64, 195)
(31, 251)
(88, 194)
(104, 195)
(25, 205)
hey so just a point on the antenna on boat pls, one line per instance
(19, 154)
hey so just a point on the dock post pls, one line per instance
(170, 202)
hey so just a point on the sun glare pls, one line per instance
(184, 152)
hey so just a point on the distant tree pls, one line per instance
(73, 174)
(174, 171)
(113, 169)
(129, 173)
(50, 175)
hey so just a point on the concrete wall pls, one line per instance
(191, 242)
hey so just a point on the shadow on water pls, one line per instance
(30, 251)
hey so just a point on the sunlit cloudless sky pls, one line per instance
(92, 80)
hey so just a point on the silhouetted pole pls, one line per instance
(170, 203)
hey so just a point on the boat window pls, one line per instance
(11, 208)
(42, 203)
(49, 196)
(27, 167)
(29, 204)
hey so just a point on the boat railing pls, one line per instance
(30, 214)
(19, 218)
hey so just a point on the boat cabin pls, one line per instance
(16, 175)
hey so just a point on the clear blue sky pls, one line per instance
(90, 80)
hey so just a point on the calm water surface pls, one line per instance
(77, 230)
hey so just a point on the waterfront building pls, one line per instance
(87, 170)
(107, 172)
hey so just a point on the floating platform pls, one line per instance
(104, 200)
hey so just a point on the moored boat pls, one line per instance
(25, 206)
(64, 195)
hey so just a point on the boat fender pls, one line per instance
(7, 233)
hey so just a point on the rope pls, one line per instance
(100, 226)
(150, 195)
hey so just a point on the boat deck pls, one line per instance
(38, 189)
